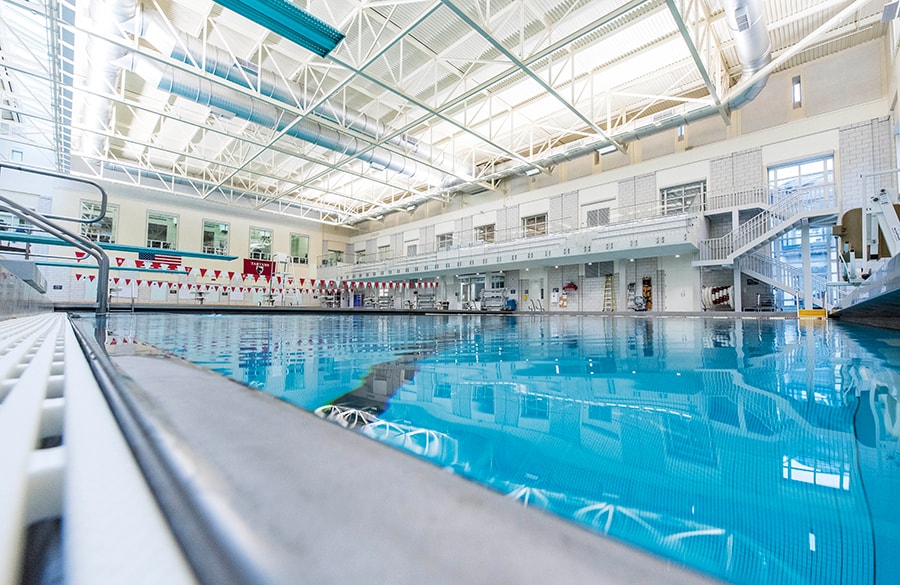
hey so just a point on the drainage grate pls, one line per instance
(64, 463)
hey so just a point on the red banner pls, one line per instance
(259, 267)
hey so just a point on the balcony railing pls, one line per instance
(631, 221)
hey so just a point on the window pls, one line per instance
(483, 398)
(682, 198)
(792, 177)
(333, 258)
(15, 155)
(592, 270)
(103, 230)
(260, 243)
(598, 217)
(796, 93)
(300, 249)
(162, 230)
(535, 407)
(484, 233)
(215, 238)
(384, 252)
(535, 225)
(444, 241)
(411, 249)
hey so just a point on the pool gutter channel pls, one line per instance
(330, 506)
(205, 549)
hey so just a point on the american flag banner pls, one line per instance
(161, 258)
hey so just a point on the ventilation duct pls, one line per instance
(207, 93)
(746, 18)
(191, 51)
(109, 18)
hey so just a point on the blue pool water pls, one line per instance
(760, 451)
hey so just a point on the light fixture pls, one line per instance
(285, 19)
(379, 217)
(532, 171)
(607, 149)
(631, 259)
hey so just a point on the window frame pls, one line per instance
(218, 251)
(93, 231)
(444, 242)
(681, 198)
(534, 225)
(260, 255)
(170, 243)
(297, 259)
(486, 233)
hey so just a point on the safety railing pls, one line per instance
(755, 196)
(620, 218)
(787, 275)
(770, 222)
(76, 240)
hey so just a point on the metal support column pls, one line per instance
(807, 264)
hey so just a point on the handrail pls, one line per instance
(103, 196)
(73, 239)
(787, 274)
(809, 199)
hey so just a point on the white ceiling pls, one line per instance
(420, 99)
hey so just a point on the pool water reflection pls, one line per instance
(760, 451)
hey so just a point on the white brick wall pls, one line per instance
(740, 171)
(865, 147)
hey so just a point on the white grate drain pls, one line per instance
(62, 457)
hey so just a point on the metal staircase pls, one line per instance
(786, 213)
(782, 216)
(781, 275)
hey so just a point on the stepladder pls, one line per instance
(609, 298)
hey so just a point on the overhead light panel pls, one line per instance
(285, 19)
(532, 171)
(607, 149)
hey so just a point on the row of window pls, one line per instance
(162, 233)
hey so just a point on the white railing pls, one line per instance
(755, 196)
(826, 294)
(769, 223)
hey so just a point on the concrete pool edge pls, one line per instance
(302, 500)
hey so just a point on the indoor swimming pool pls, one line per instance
(760, 451)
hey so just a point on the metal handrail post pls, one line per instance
(73, 239)
(103, 196)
